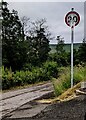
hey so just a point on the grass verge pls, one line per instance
(63, 82)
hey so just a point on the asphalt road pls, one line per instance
(21, 105)
(70, 110)
(11, 101)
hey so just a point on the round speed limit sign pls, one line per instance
(72, 19)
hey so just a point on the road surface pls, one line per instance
(74, 109)
(13, 100)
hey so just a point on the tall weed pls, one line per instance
(63, 82)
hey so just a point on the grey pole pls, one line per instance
(72, 22)
(72, 39)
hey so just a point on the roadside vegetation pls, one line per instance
(63, 82)
(26, 56)
(20, 78)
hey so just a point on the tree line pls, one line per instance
(26, 44)
(63, 58)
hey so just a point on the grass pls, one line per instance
(63, 82)
(79, 74)
(66, 96)
(61, 85)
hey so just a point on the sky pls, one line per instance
(54, 12)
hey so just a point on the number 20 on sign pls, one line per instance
(72, 19)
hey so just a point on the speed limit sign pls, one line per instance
(72, 19)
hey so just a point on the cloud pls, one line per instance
(55, 13)
(44, 1)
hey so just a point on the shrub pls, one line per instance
(37, 73)
(27, 66)
(61, 59)
(51, 69)
(19, 78)
(7, 78)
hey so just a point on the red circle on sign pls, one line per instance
(72, 12)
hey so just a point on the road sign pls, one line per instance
(72, 19)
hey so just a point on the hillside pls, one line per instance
(66, 47)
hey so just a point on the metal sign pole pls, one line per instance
(72, 19)
(72, 39)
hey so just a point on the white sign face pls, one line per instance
(72, 19)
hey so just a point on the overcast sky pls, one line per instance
(54, 12)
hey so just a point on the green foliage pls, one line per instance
(18, 48)
(60, 59)
(40, 74)
(14, 47)
(82, 52)
(51, 68)
(38, 43)
(66, 47)
(7, 78)
(75, 57)
(60, 45)
(27, 67)
(63, 82)
(19, 78)
(79, 74)
(60, 56)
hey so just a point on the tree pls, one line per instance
(25, 27)
(60, 45)
(82, 51)
(14, 46)
(38, 42)
(60, 55)
(75, 57)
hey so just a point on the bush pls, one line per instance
(19, 78)
(61, 59)
(7, 78)
(27, 66)
(51, 69)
